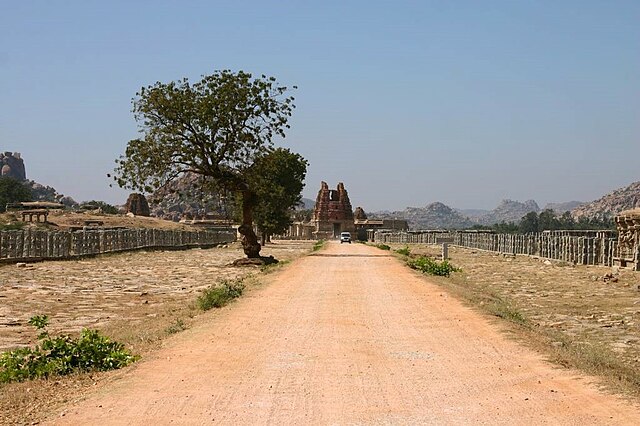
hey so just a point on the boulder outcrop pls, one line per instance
(12, 165)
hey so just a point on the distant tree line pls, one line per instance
(14, 191)
(548, 220)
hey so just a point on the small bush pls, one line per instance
(220, 294)
(383, 247)
(432, 267)
(404, 251)
(178, 326)
(96, 204)
(62, 355)
(506, 311)
(13, 226)
(318, 245)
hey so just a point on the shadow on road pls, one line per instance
(350, 255)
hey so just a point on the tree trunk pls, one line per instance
(250, 242)
(264, 239)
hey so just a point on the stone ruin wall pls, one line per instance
(33, 244)
(12, 165)
(628, 225)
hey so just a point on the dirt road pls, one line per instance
(348, 336)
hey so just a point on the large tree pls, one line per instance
(277, 179)
(216, 127)
(12, 191)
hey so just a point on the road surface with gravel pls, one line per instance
(348, 335)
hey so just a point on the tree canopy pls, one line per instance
(216, 127)
(278, 180)
(12, 191)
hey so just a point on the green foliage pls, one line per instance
(62, 355)
(220, 294)
(500, 228)
(529, 223)
(404, 251)
(547, 220)
(216, 127)
(12, 191)
(304, 215)
(318, 245)
(271, 267)
(13, 226)
(95, 204)
(277, 178)
(178, 326)
(382, 246)
(506, 310)
(432, 267)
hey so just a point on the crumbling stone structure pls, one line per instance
(333, 213)
(137, 205)
(360, 214)
(12, 165)
(628, 225)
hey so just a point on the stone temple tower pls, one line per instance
(333, 213)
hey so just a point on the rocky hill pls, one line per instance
(473, 214)
(611, 204)
(12, 165)
(509, 211)
(188, 196)
(560, 208)
(307, 204)
(433, 216)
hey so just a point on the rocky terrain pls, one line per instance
(433, 216)
(560, 208)
(440, 216)
(509, 211)
(188, 196)
(611, 204)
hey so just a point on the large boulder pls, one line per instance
(12, 165)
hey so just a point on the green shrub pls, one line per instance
(432, 267)
(96, 204)
(220, 294)
(383, 247)
(318, 245)
(404, 251)
(178, 326)
(62, 355)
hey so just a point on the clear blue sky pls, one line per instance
(407, 102)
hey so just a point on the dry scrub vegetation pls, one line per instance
(136, 298)
(584, 317)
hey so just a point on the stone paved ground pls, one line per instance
(126, 287)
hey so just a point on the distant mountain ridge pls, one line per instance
(433, 216)
(440, 216)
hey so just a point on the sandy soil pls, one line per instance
(127, 287)
(348, 336)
